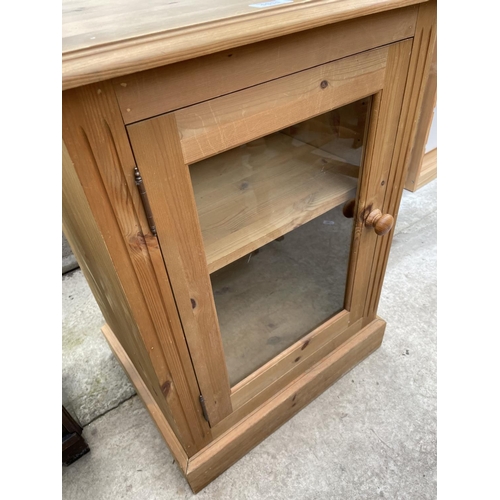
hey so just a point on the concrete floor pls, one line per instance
(371, 435)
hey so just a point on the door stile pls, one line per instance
(158, 154)
(356, 249)
(377, 181)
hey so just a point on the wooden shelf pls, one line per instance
(251, 195)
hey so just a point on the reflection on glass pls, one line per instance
(276, 242)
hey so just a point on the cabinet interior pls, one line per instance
(277, 244)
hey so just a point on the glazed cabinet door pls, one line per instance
(268, 205)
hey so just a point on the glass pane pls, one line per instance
(276, 240)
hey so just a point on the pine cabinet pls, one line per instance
(230, 189)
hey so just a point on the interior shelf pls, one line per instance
(251, 195)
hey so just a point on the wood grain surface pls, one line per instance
(154, 92)
(419, 66)
(426, 41)
(99, 171)
(147, 398)
(214, 126)
(166, 178)
(245, 435)
(249, 196)
(103, 40)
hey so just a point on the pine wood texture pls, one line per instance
(288, 366)
(147, 398)
(237, 75)
(240, 439)
(98, 171)
(348, 208)
(152, 34)
(386, 109)
(157, 150)
(214, 126)
(161, 90)
(382, 223)
(246, 433)
(426, 83)
(93, 255)
(428, 171)
(261, 378)
(244, 204)
(420, 61)
(159, 158)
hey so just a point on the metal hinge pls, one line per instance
(145, 201)
(204, 409)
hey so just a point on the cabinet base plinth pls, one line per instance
(228, 448)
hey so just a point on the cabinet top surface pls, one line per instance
(103, 39)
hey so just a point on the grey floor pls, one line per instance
(371, 435)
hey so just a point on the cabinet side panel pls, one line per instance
(103, 164)
(147, 398)
(89, 247)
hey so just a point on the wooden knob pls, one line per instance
(381, 222)
(348, 208)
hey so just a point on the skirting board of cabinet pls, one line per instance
(224, 451)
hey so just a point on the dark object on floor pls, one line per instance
(69, 262)
(73, 444)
